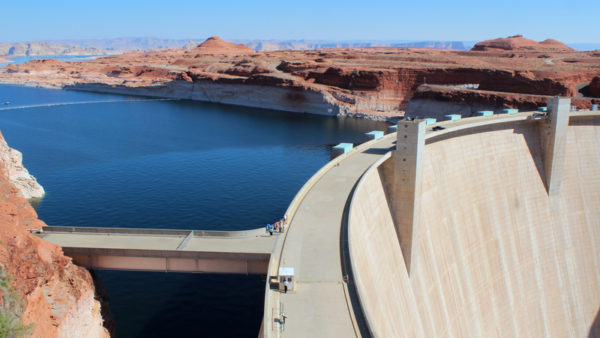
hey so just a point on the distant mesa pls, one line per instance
(519, 43)
(216, 45)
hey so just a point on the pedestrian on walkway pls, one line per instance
(268, 226)
(270, 230)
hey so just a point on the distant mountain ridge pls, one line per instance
(132, 44)
(36, 48)
(122, 45)
(145, 44)
(271, 45)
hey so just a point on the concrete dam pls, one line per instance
(480, 227)
(482, 230)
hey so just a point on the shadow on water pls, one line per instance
(170, 164)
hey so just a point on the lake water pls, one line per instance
(169, 164)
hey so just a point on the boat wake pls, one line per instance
(82, 102)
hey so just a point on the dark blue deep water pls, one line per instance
(133, 162)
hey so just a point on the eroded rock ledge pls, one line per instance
(12, 160)
(376, 83)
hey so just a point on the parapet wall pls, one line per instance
(492, 254)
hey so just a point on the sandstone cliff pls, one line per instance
(59, 296)
(371, 82)
(12, 161)
(437, 101)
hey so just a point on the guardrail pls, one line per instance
(166, 232)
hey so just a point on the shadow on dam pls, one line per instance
(595, 329)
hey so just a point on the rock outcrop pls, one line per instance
(60, 298)
(19, 176)
(215, 45)
(595, 87)
(519, 43)
(377, 83)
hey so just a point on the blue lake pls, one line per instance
(131, 162)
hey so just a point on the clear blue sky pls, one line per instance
(574, 21)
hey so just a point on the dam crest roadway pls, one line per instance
(377, 237)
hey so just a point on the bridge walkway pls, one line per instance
(319, 307)
(245, 252)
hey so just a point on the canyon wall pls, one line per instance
(277, 98)
(438, 101)
(492, 255)
(377, 83)
(12, 160)
(60, 298)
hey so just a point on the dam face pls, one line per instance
(492, 252)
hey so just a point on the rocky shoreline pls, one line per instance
(12, 161)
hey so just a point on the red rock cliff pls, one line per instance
(59, 296)
(374, 82)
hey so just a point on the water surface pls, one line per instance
(169, 164)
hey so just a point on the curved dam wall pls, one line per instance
(492, 254)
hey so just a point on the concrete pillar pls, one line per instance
(341, 149)
(374, 135)
(554, 141)
(406, 199)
